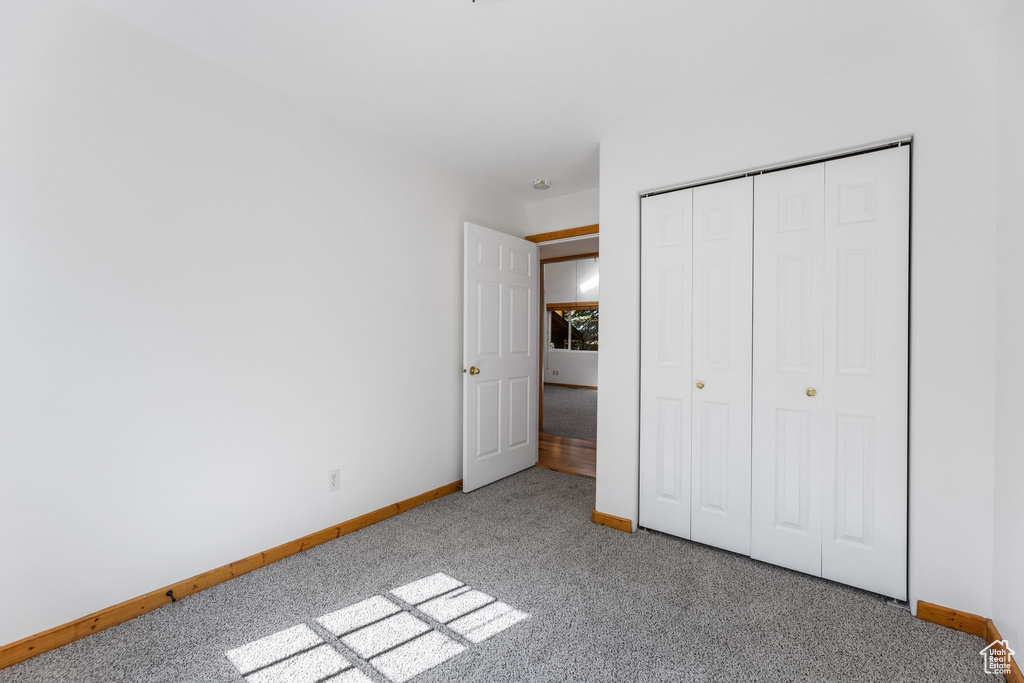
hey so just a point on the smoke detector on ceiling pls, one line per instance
(541, 184)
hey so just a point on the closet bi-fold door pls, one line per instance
(720, 424)
(864, 396)
(666, 229)
(789, 246)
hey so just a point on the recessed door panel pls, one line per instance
(672, 223)
(665, 361)
(488, 418)
(864, 395)
(671, 451)
(789, 227)
(856, 311)
(673, 285)
(488, 254)
(714, 319)
(794, 314)
(488, 318)
(720, 384)
(521, 261)
(518, 411)
(792, 470)
(714, 220)
(714, 457)
(520, 313)
(855, 479)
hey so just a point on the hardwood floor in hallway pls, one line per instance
(567, 455)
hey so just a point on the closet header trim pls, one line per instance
(849, 152)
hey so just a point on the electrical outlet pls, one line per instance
(333, 480)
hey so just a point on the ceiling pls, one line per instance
(511, 90)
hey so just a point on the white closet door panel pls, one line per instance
(720, 469)
(864, 394)
(665, 331)
(789, 228)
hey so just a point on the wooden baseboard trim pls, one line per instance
(571, 386)
(29, 647)
(611, 521)
(968, 623)
(951, 618)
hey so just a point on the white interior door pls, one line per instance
(864, 396)
(720, 423)
(499, 394)
(789, 245)
(666, 228)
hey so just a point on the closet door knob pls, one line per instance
(700, 385)
(811, 392)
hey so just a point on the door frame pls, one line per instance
(540, 239)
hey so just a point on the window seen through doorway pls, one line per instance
(574, 330)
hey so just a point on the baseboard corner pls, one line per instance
(968, 623)
(992, 635)
(611, 521)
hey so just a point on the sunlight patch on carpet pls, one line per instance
(391, 638)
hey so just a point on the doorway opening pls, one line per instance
(569, 347)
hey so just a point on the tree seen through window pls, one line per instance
(574, 330)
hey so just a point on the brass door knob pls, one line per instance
(812, 392)
(700, 385)
(473, 370)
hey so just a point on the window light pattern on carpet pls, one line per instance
(390, 638)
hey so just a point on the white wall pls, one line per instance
(1007, 587)
(571, 367)
(561, 212)
(188, 344)
(943, 92)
